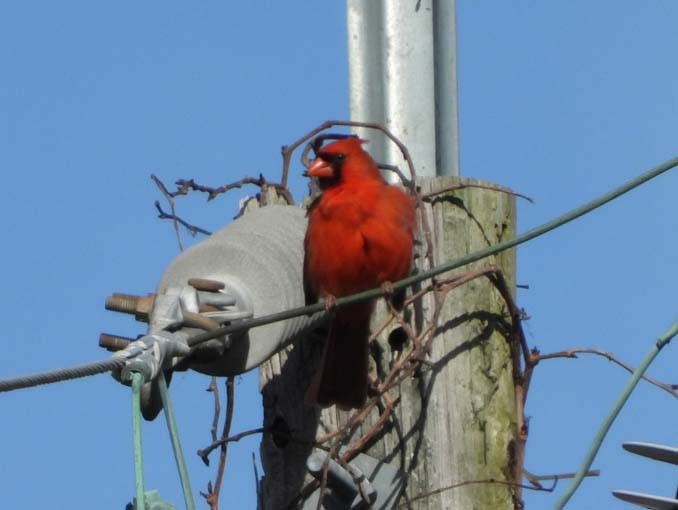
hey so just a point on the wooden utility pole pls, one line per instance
(456, 422)
(460, 416)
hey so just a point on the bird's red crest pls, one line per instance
(349, 145)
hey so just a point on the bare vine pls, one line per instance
(213, 490)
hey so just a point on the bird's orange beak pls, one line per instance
(320, 168)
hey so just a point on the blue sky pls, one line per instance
(560, 101)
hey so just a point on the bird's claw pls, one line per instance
(387, 289)
(330, 303)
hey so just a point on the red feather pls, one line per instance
(360, 235)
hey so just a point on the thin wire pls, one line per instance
(176, 442)
(621, 401)
(137, 383)
(448, 266)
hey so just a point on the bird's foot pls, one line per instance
(330, 302)
(387, 289)
(395, 299)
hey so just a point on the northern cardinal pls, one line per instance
(360, 235)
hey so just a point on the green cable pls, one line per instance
(176, 443)
(137, 383)
(621, 401)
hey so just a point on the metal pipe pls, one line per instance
(366, 93)
(408, 82)
(403, 74)
(446, 90)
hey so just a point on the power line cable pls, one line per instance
(62, 374)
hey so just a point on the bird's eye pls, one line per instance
(332, 158)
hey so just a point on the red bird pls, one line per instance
(360, 235)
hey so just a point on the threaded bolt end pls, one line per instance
(113, 343)
(124, 303)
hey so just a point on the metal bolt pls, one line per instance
(123, 303)
(196, 320)
(113, 343)
(140, 306)
(206, 285)
(145, 307)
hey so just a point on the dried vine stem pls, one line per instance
(163, 215)
(535, 479)
(487, 481)
(204, 453)
(572, 353)
(288, 150)
(322, 484)
(214, 389)
(192, 229)
(212, 494)
(184, 186)
(428, 196)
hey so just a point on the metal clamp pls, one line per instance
(150, 354)
(175, 304)
(202, 304)
(364, 483)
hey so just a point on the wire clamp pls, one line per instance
(149, 354)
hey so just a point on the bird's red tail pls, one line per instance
(341, 378)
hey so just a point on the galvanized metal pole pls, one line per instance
(446, 90)
(402, 73)
(364, 20)
(409, 92)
